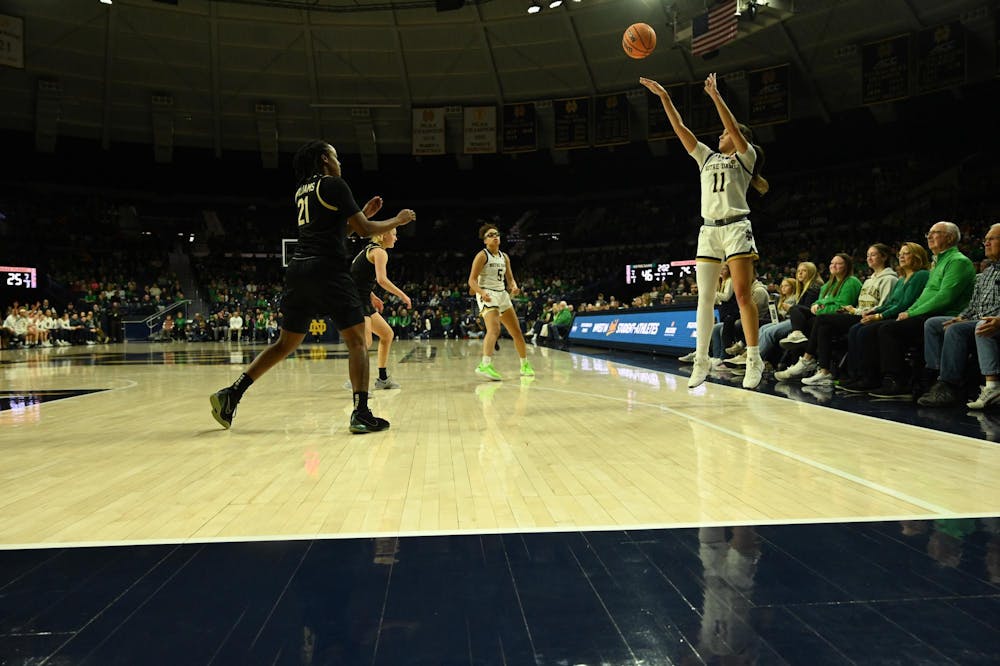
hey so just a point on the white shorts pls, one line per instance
(498, 299)
(724, 243)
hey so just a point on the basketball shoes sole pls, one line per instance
(223, 407)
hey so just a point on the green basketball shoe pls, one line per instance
(488, 371)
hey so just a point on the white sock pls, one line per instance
(524, 359)
(487, 360)
(993, 383)
(753, 352)
(707, 276)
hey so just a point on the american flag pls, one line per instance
(714, 28)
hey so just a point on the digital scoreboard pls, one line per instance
(657, 272)
(19, 277)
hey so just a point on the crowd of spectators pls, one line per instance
(568, 257)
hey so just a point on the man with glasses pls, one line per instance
(948, 290)
(949, 340)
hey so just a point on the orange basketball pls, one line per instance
(639, 40)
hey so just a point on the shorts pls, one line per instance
(720, 244)
(499, 299)
(317, 287)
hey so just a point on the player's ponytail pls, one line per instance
(757, 181)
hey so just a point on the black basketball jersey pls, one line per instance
(363, 271)
(324, 205)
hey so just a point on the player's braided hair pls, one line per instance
(308, 160)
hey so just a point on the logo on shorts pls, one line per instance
(749, 236)
(317, 326)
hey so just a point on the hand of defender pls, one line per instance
(405, 216)
(377, 303)
(372, 207)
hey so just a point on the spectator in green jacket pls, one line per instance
(948, 290)
(839, 292)
(562, 320)
(445, 320)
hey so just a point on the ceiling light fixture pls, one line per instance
(534, 7)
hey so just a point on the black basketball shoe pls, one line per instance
(224, 404)
(365, 422)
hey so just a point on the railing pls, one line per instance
(134, 330)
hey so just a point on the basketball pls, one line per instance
(639, 40)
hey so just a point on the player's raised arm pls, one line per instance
(725, 115)
(688, 139)
(362, 226)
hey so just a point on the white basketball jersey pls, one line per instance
(492, 275)
(724, 181)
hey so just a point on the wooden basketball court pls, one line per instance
(115, 444)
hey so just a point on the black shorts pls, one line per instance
(316, 287)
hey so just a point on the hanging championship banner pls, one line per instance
(428, 131)
(769, 95)
(659, 124)
(480, 130)
(941, 56)
(520, 131)
(572, 124)
(12, 41)
(885, 70)
(611, 123)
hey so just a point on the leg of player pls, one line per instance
(224, 401)
(513, 326)
(741, 268)
(362, 419)
(385, 335)
(485, 368)
(707, 276)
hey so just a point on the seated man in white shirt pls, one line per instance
(235, 326)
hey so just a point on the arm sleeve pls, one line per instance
(889, 283)
(849, 293)
(809, 296)
(954, 282)
(967, 312)
(701, 153)
(909, 292)
(748, 157)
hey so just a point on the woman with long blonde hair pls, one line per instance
(808, 283)
(368, 269)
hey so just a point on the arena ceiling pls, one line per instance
(268, 74)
